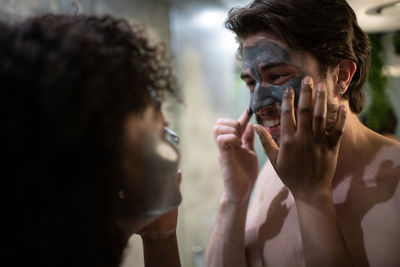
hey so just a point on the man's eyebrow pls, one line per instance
(267, 66)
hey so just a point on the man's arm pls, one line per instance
(238, 160)
(226, 244)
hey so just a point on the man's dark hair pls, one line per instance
(327, 29)
(67, 83)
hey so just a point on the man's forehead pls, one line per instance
(264, 51)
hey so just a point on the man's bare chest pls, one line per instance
(273, 236)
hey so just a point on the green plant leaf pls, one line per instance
(379, 109)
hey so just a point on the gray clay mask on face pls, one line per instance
(159, 192)
(264, 54)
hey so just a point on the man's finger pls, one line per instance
(305, 109)
(227, 141)
(248, 137)
(270, 147)
(222, 129)
(245, 118)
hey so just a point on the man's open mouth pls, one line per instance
(269, 116)
(271, 123)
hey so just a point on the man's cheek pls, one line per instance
(296, 84)
(258, 119)
(265, 96)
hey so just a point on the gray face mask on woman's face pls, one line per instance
(159, 157)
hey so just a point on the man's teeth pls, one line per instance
(271, 123)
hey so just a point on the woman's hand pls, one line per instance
(160, 244)
(164, 226)
(307, 157)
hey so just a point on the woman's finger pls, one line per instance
(336, 133)
(319, 118)
(288, 120)
(305, 109)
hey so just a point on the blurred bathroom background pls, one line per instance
(208, 73)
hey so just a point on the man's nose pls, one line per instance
(255, 97)
(263, 96)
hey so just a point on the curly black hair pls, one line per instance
(67, 83)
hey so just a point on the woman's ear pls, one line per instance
(345, 71)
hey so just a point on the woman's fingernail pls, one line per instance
(308, 81)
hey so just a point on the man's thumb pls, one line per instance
(270, 147)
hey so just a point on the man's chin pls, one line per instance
(274, 130)
(275, 134)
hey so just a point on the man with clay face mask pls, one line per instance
(321, 197)
(87, 157)
(266, 98)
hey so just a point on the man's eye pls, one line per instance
(278, 76)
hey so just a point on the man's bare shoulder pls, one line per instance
(389, 170)
(387, 161)
(390, 147)
(377, 198)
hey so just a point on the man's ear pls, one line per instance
(345, 71)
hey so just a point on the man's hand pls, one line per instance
(307, 157)
(238, 160)
(237, 157)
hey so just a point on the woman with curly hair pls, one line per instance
(88, 160)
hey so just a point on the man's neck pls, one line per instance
(357, 147)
